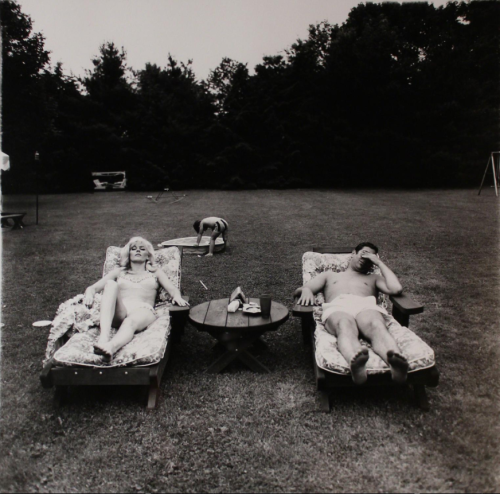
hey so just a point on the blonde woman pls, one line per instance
(129, 294)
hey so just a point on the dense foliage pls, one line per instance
(398, 95)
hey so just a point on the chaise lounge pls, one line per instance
(71, 361)
(330, 367)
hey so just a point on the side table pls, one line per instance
(235, 331)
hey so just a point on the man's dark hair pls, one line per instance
(366, 244)
(196, 226)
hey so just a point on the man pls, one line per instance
(217, 225)
(351, 308)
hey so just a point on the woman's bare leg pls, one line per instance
(137, 320)
(112, 310)
(108, 306)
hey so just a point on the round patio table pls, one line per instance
(236, 332)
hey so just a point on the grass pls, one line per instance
(245, 432)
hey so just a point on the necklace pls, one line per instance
(136, 279)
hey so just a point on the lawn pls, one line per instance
(240, 431)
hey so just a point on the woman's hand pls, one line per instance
(88, 296)
(179, 301)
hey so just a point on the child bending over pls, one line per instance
(217, 225)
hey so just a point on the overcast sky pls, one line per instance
(202, 30)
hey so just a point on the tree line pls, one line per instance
(399, 95)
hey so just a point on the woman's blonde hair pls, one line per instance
(125, 252)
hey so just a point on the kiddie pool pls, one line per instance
(189, 246)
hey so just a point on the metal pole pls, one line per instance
(495, 181)
(497, 166)
(37, 160)
(484, 176)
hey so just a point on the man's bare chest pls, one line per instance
(361, 285)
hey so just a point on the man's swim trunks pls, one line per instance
(351, 304)
(221, 225)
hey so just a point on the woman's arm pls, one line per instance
(171, 289)
(88, 297)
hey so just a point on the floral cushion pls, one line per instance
(73, 318)
(328, 357)
(146, 348)
(418, 353)
(81, 325)
(168, 259)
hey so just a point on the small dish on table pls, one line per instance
(251, 308)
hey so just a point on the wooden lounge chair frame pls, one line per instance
(63, 377)
(327, 382)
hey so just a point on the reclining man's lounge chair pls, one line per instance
(70, 359)
(331, 369)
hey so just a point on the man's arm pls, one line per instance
(388, 283)
(310, 289)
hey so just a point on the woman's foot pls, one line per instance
(103, 350)
(102, 340)
(399, 366)
(358, 366)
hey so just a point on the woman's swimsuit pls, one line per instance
(136, 292)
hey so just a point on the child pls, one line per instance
(217, 225)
